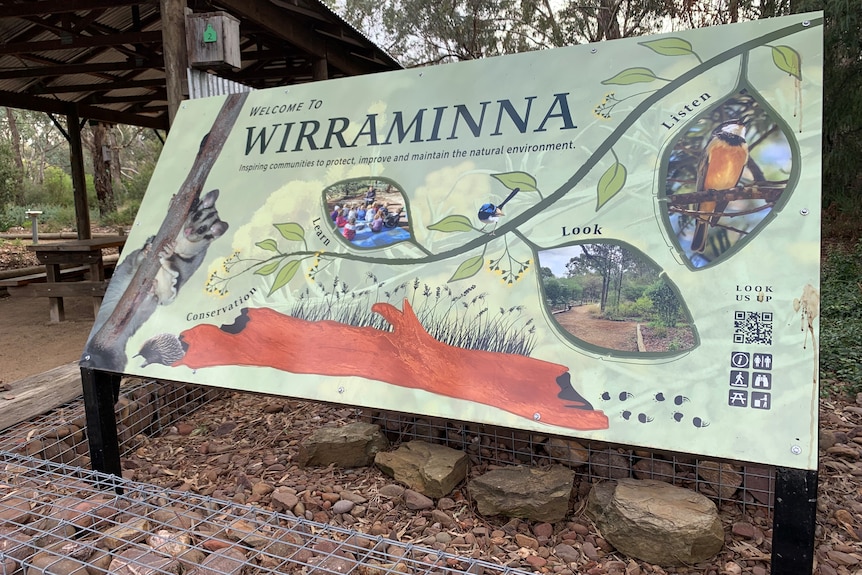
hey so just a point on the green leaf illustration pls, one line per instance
(456, 223)
(268, 268)
(611, 182)
(468, 268)
(513, 180)
(669, 46)
(268, 244)
(284, 275)
(788, 60)
(291, 231)
(632, 76)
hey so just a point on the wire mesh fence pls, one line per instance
(740, 483)
(60, 519)
(148, 409)
(144, 407)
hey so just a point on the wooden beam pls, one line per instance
(92, 68)
(107, 86)
(77, 42)
(156, 119)
(159, 94)
(43, 7)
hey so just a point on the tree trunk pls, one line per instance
(15, 135)
(102, 172)
(115, 165)
(609, 27)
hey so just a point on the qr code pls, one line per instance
(752, 327)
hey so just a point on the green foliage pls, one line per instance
(664, 301)
(57, 187)
(7, 218)
(842, 107)
(560, 292)
(9, 176)
(841, 321)
(123, 217)
(137, 184)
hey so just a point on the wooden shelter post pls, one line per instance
(174, 49)
(320, 71)
(79, 183)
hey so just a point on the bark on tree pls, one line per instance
(101, 171)
(15, 136)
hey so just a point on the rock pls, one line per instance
(657, 469)
(342, 506)
(759, 482)
(526, 541)
(525, 492)
(260, 489)
(441, 517)
(535, 561)
(744, 529)
(657, 522)
(351, 445)
(129, 532)
(567, 452)
(590, 551)
(142, 562)
(567, 553)
(391, 490)
(169, 542)
(354, 497)
(826, 439)
(415, 501)
(283, 499)
(723, 478)
(543, 530)
(48, 563)
(609, 465)
(223, 562)
(247, 533)
(176, 518)
(433, 470)
(15, 510)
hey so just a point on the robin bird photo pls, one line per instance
(721, 164)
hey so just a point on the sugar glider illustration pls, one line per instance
(178, 262)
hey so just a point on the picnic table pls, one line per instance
(87, 262)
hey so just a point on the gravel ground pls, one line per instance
(242, 447)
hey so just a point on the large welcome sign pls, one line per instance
(616, 242)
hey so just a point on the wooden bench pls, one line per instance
(60, 289)
(70, 283)
(42, 277)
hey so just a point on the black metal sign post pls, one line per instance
(101, 391)
(793, 521)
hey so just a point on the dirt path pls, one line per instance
(31, 344)
(619, 335)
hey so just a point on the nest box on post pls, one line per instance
(212, 39)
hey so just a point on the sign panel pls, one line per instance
(617, 242)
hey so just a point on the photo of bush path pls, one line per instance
(613, 298)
